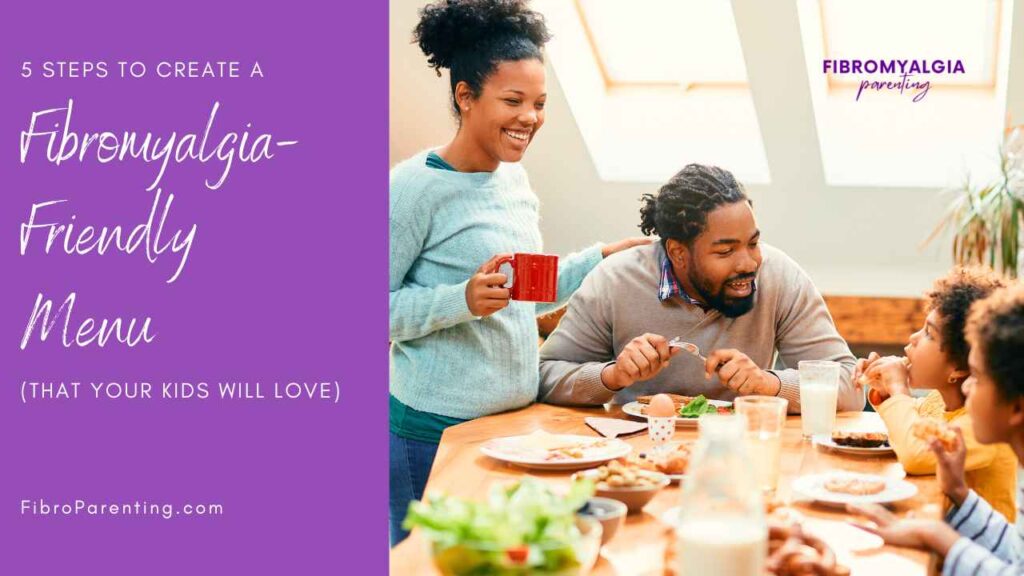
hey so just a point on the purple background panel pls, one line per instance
(286, 281)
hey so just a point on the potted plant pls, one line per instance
(987, 220)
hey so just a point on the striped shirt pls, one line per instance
(988, 545)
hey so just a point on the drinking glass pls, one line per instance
(819, 393)
(766, 417)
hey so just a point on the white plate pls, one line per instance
(813, 486)
(827, 442)
(519, 451)
(635, 409)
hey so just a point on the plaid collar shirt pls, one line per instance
(669, 286)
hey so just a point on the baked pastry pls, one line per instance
(854, 486)
(673, 463)
(930, 429)
(861, 439)
(791, 552)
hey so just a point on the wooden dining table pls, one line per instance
(638, 548)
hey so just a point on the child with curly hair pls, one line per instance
(975, 539)
(936, 360)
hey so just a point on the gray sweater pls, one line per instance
(619, 301)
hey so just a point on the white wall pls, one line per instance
(857, 241)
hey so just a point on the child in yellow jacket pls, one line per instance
(937, 360)
(975, 539)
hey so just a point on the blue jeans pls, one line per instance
(410, 465)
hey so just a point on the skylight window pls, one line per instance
(655, 85)
(659, 50)
(928, 128)
(965, 31)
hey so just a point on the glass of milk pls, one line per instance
(721, 528)
(819, 393)
(766, 417)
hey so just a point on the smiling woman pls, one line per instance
(503, 118)
(493, 50)
(459, 350)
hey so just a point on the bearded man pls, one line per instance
(710, 281)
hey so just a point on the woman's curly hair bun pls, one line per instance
(448, 28)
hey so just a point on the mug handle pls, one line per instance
(511, 262)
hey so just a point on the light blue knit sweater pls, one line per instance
(444, 225)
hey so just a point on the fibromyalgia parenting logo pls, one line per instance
(911, 77)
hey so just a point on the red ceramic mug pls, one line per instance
(534, 277)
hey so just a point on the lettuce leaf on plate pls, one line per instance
(697, 407)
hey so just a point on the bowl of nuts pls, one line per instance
(629, 484)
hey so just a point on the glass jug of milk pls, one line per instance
(721, 527)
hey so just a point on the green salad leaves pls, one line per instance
(697, 407)
(520, 528)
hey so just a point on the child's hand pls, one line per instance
(910, 533)
(862, 366)
(907, 533)
(949, 467)
(889, 375)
